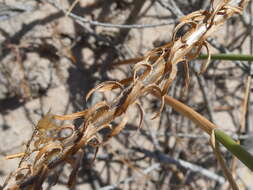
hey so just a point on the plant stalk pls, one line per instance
(208, 126)
(229, 57)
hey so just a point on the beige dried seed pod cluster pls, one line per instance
(154, 73)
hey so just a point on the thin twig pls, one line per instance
(132, 178)
(162, 158)
(172, 7)
(245, 106)
(204, 90)
(8, 11)
(249, 123)
(217, 152)
(108, 25)
(224, 50)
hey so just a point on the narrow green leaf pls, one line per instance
(234, 148)
(230, 57)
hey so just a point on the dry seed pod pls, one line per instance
(105, 86)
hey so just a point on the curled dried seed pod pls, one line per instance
(75, 165)
(193, 26)
(141, 114)
(71, 116)
(195, 52)
(85, 114)
(115, 130)
(129, 97)
(105, 86)
(146, 72)
(98, 106)
(94, 116)
(46, 123)
(157, 52)
(87, 134)
(155, 88)
(187, 75)
(101, 142)
(47, 151)
(41, 140)
(160, 59)
(170, 79)
(205, 65)
(156, 56)
(61, 129)
(42, 174)
(216, 10)
(92, 131)
(18, 173)
(120, 126)
(195, 16)
(126, 81)
(160, 110)
(237, 10)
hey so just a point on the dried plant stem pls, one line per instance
(208, 127)
(245, 106)
(188, 112)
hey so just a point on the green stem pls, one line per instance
(231, 57)
(234, 148)
(208, 127)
